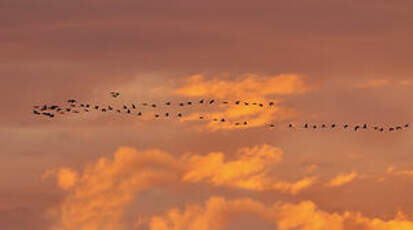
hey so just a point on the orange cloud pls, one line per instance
(393, 171)
(374, 83)
(248, 88)
(342, 179)
(98, 196)
(219, 213)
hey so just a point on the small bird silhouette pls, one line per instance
(306, 125)
(36, 112)
(356, 128)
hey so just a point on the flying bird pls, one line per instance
(237, 102)
(201, 101)
(211, 101)
(356, 128)
(36, 112)
(306, 125)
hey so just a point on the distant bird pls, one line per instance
(333, 125)
(118, 110)
(211, 101)
(398, 127)
(87, 105)
(356, 128)
(104, 110)
(115, 94)
(86, 110)
(53, 107)
(236, 123)
(201, 117)
(271, 103)
(68, 109)
(323, 126)
(96, 107)
(201, 101)
(290, 125)
(189, 103)
(365, 126)
(237, 102)
(225, 102)
(44, 107)
(82, 105)
(36, 112)
(272, 125)
(376, 128)
(181, 104)
(345, 126)
(110, 107)
(168, 103)
(406, 125)
(391, 129)
(166, 114)
(314, 126)
(156, 115)
(306, 125)
(223, 120)
(179, 114)
(128, 111)
(59, 109)
(261, 105)
(381, 129)
(245, 123)
(145, 104)
(254, 103)
(153, 105)
(125, 107)
(139, 113)
(71, 101)
(245, 103)
(133, 106)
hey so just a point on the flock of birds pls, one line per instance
(74, 107)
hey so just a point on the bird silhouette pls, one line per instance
(314, 126)
(189, 102)
(110, 107)
(168, 103)
(201, 101)
(245, 123)
(156, 115)
(223, 120)
(104, 110)
(333, 125)
(71, 101)
(356, 128)
(406, 125)
(346, 126)
(181, 104)
(323, 126)
(133, 106)
(290, 125)
(271, 103)
(398, 127)
(153, 105)
(179, 114)
(211, 101)
(365, 126)
(36, 112)
(237, 102)
(306, 125)
(139, 113)
(44, 108)
(245, 103)
(391, 129)
(272, 125)
(166, 114)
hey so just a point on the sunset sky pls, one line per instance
(320, 61)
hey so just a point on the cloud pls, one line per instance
(98, 196)
(251, 88)
(246, 86)
(374, 83)
(220, 213)
(66, 178)
(342, 179)
(392, 170)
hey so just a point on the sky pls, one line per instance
(319, 61)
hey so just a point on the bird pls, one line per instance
(68, 109)
(86, 110)
(211, 101)
(381, 129)
(314, 126)
(201, 117)
(236, 123)
(53, 107)
(44, 107)
(406, 125)
(189, 103)
(323, 126)
(128, 111)
(139, 113)
(168, 103)
(179, 114)
(398, 127)
(223, 120)
(290, 125)
(104, 110)
(133, 106)
(237, 102)
(356, 128)
(391, 129)
(261, 105)
(153, 105)
(110, 107)
(245, 103)
(254, 103)
(245, 123)
(225, 102)
(125, 107)
(87, 105)
(156, 115)
(365, 126)
(333, 125)
(181, 104)
(345, 126)
(145, 104)
(82, 105)
(272, 125)
(166, 114)
(36, 112)
(118, 110)
(215, 119)
(115, 94)
(71, 101)
(201, 101)
(271, 103)
(96, 107)
(306, 125)
(376, 128)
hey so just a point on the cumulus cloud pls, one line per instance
(219, 213)
(98, 196)
(250, 88)
(342, 179)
